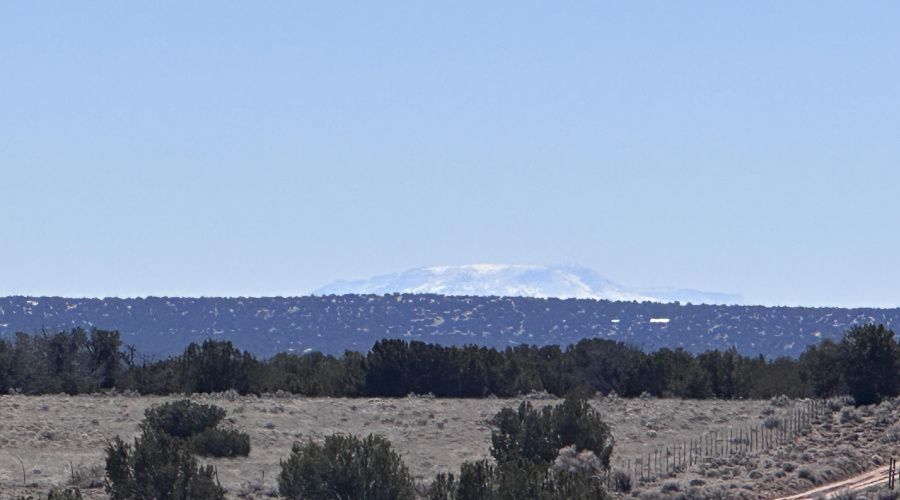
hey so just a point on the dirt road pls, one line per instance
(858, 483)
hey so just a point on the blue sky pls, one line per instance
(225, 148)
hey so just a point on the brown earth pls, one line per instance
(862, 483)
(51, 441)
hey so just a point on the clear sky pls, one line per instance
(269, 148)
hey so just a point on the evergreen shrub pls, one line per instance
(161, 464)
(484, 481)
(345, 467)
(183, 418)
(217, 442)
(65, 494)
(158, 467)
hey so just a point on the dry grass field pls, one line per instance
(48, 441)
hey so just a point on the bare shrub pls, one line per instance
(891, 436)
(850, 416)
(571, 461)
(887, 495)
(90, 477)
(250, 490)
(697, 494)
(780, 401)
(670, 487)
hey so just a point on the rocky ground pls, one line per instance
(48, 441)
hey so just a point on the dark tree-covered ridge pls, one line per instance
(164, 326)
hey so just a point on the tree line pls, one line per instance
(865, 364)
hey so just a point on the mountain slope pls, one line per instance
(489, 280)
(163, 326)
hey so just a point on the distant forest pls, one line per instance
(265, 326)
(864, 363)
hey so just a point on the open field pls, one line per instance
(49, 440)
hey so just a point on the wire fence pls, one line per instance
(680, 457)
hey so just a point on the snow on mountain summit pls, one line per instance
(516, 281)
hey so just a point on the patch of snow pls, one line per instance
(502, 280)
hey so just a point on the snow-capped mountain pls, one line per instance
(562, 282)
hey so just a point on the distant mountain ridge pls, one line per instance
(498, 280)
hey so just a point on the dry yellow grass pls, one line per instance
(50, 437)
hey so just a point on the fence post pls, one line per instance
(891, 473)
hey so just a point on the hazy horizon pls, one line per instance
(234, 149)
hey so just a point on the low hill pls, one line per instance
(163, 326)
